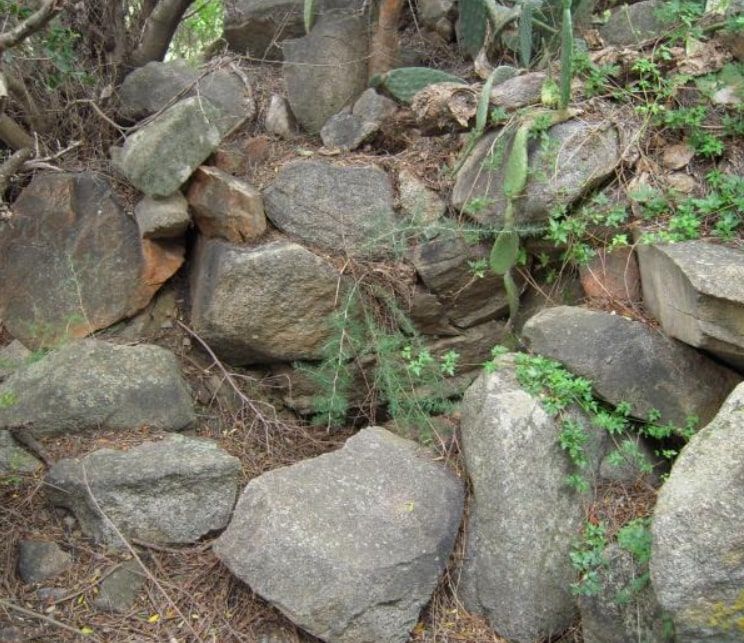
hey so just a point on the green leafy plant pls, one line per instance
(587, 558)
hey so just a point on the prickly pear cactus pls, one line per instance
(471, 26)
(404, 83)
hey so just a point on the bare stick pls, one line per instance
(42, 617)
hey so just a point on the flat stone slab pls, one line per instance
(344, 209)
(697, 567)
(160, 157)
(696, 290)
(348, 545)
(91, 384)
(577, 156)
(327, 68)
(72, 262)
(172, 491)
(271, 303)
(627, 361)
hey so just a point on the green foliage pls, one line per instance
(635, 537)
(472, 24)
(504, 251)
(371, 333)
(7, 399)
(308, 14)
(405, 82)
(587, 558)
(201, 26)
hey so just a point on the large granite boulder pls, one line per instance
(172, 491)
(72, 262)
(92, 384)
(349, 545)
(326, 69)
(344, 209)
(577, 156)
(12, 357)
(627, 361)
(697, 556)
(524, 517)
(696, 290)
(631, 24)
(264, 304)
(157, 85)
(158, 158)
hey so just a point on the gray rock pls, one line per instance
(73, 262)
(518, 91)
(431, 11)
(12, 356)
(39, 560)
(120, 588)
(162, 218)
(225, 207)
(346, 132)
(423, 205)
(92, 384)
(523, 517)
(577, 157)
(256, 27)
(372, 107)
(265, 304)
(157, 85)
(279, 118)
(629, 362)
(631, 24)
(445, 266)
(697, 567)
(343, 209)
(349, 545)
(696, 290)
(607, 618)
(326, 69)
(159, 158)
(172, 491)
(14, 459)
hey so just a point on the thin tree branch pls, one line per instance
(13, 134)
(32, 24)
(42, 617)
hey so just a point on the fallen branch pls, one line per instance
(42, 617)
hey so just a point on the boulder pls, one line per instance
(91, 384)
(280, 120)
(627, 361)
(523, 517)
(157, 85)
(72, 262)
(343, 209)
(12, 357)
(612, 276)
(349, 545)
(346, 132)
(172, 491)
(327, 68)
(607, 617)
(372, 107)
(697, 562)
(160, 157)
(225, 207)
(264, 304)
(432, 11)
(13, 459)
(576, 157)
(119, 590)
(518, 91)
(445, 265)
(631, 24)
(162, 218)
(423, 205)
(39, 560)
(696, 290)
